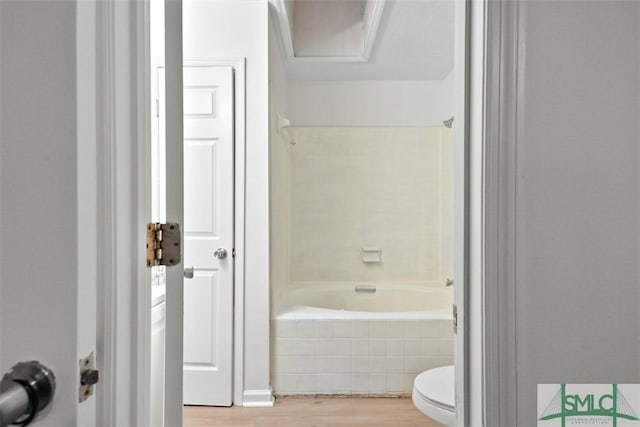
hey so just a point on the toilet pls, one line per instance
(433, 394)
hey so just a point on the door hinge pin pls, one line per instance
(455, 319)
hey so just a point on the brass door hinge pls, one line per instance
(163, 244)
(455, 319)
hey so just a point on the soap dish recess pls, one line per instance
(371, 255)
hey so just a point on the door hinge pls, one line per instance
(163, 244)
(89, 376)
(157, 105)
(455, 319)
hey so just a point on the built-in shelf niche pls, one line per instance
(328, 30)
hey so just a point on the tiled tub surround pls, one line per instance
(350, 190)
(321, 351)
(353, 188)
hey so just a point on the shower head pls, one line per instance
(448, 123)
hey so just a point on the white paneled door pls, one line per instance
(208, 234)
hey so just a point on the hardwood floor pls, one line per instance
(313, 412)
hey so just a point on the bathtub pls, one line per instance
(330, 339)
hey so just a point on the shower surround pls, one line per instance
(350, 190)
(389, 188)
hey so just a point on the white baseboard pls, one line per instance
(258, 398)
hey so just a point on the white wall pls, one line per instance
(394, 103)
(156, 29)
(354, 188)
(237, 29)
(279, 167)
(578, 194)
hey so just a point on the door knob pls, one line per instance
(220, 253)
(188, 272)
(26, 390)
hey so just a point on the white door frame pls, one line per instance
(143, 301)
(118, 243)
(486, 97)
(122, 34)
(123, 114)
(491, 43)
(124, 117)
(461, 142)
(144, 208)
(502, 89)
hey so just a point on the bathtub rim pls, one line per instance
(292, 311)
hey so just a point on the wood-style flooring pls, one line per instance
(313, 412)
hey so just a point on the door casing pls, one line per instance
(124, 167)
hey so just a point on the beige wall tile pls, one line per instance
(381, 187)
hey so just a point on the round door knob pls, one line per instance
(220, 253)
(188, 272)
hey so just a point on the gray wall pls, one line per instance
(578, 212)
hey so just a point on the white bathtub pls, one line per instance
(330, 339)
(344, 301)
